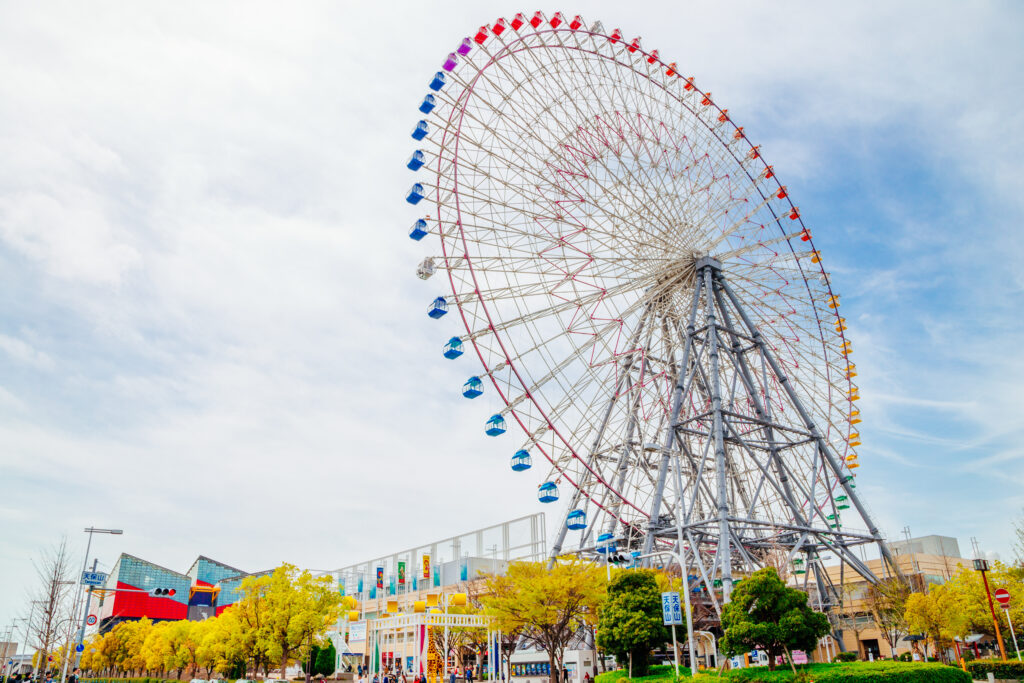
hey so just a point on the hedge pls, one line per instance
(657, 672)
(980, 668)
(854, 672)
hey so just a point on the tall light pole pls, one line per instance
(88, 594)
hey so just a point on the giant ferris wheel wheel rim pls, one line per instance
(542, 50)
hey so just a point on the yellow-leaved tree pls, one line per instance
(547, 606)
(969, 591)
(938, 615)
(296, 609)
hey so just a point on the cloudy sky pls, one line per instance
(211, 334)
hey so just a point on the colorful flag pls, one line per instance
(380, 577)
(401, 572)
(426, 566)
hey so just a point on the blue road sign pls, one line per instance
(79, 647)
(93, 578)
(671, 610)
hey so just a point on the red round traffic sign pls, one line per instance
(1002, 595)
(90, 620)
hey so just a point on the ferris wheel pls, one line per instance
(641, 294)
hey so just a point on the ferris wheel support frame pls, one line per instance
(736, 538)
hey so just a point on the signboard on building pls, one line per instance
(671, 610)
(356, 631)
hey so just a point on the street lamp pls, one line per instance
(88, 593)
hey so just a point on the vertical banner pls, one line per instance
(360, 590)
(426, 566)
(391, 584)
(380, 577)
(401, 572)
(341, 585)
(464, 569)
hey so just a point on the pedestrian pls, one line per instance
(586, 677)
(469, 674)
(451, 675)
(376, 678)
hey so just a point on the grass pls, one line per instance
(656, 673)
(846, 672)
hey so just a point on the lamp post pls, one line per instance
(982, 566)
(88, 594)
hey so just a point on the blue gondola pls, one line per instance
(604, 543)
(547, 492)
(420, 131)
(521, 461)
(453, 349)
(438, 82)
(415, 194)
(473, 387)
(438, 307)
(428, 104)
(495, 426)
(419, 230)
(576, 520)
(416, 161)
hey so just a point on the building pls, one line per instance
(387, 589)
(137, 588)
(925, 561)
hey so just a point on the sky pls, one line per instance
(211, 334)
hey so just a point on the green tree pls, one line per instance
(325, 659)
(630, 622)
(548, 606)
(765, 614)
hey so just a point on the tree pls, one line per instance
(548, 606)
(968, 590)
(322, 660)
(846, 617)
(765, 614)
(938, 615)
(297, 610)
(51, 615)
(886, 602)
(631, 620)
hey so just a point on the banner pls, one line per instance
(391, 584)
(341, 586)
(426, 566)
(401, 572)
(360, 590)
(380, 577)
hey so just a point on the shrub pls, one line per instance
(846, 657)
(857, 672)
(979, 669)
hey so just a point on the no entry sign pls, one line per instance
(1003, 596)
